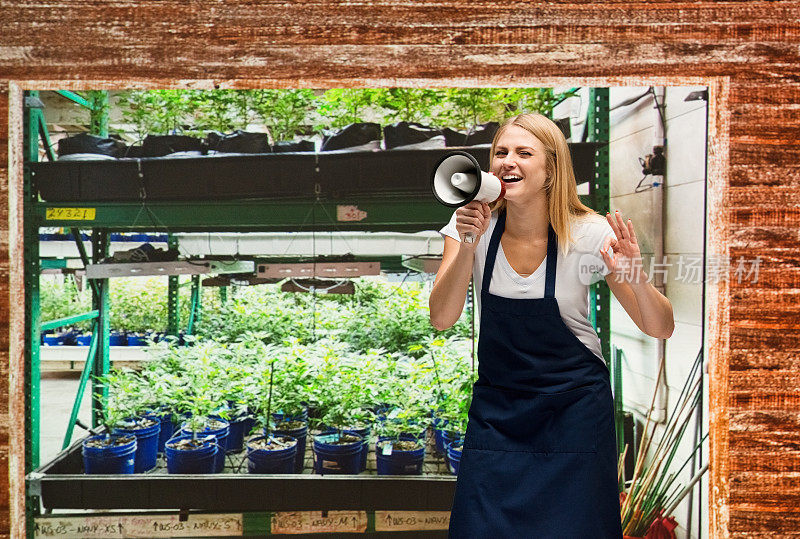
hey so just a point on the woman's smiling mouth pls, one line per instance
(511, 178)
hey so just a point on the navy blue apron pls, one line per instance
(539, 457)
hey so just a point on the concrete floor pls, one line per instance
(58, 390)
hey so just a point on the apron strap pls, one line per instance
(491, 256)
(552, 260)
(494, 242)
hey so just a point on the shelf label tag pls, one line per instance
(70, 214)
(294, 522)
(110, 526)
(349, 213)
(390, 521)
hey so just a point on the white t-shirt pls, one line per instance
(582, 266)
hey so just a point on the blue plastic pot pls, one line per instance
(300, 434)
(83, 340)
(146, 444)
(53, 339)
(112, 459)
(400, 462)
(280, 416)
(453, 455)
(167, 428)
(117, 338)
(447, 437)
(271, 461)
(364, 433)
(333, 458)
(239, 427)
(438, 434)
(221, 435)
(134, 339)
(69, 337)
(191, 461)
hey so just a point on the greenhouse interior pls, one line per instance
(228, 327)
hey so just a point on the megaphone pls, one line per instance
(457, 180)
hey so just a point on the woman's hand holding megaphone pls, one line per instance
(472, 220)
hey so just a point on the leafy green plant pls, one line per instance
(409, 104)
(158, 112)
(464, 108)
(339, 107)
(219, 110)
(286, 113)
(541, 100)
(128, 397)
(59, 299)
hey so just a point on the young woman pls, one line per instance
(539, 457)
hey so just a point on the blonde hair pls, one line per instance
(563, 204)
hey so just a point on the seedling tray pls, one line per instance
(61, 484)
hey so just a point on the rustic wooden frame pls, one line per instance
(718, 300)
(746, 52)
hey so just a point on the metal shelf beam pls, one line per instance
(384, 214)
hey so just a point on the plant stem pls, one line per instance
(269, 398)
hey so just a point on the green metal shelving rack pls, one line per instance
(247, 215)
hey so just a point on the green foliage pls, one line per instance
(395, 318)
(263, 310)
(344, 386)
(135, 303)
(409, 104)
(284, 112)
(128, 397)
(289, 112)
(339, 107)
(541, 100)
(140, 304)
(464, 108)
(219, 110)
(59, 299)
(158, 112)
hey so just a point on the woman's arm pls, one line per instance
(649, 309)
(449, 291)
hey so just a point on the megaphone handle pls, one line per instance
(469, 238)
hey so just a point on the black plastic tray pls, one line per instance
(330, 175)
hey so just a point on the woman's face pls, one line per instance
(519, 160)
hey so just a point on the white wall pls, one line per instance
(631, 137)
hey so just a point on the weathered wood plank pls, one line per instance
(751, 522)
(770, 490)
(430, 23)
(315, 64)
(765, 174)
(787, 357)
(239, 44)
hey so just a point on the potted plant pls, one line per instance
(400, 450)
(127, 404)
(109, 453)
(200, 399)
(272, 452)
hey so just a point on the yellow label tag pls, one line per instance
(70, 214)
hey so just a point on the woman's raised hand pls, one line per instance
(622, 256)
(474, 219)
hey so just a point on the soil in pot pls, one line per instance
(399, 457)
(299, 431)
(147, 430)
(272, 444)
(271, 455)
(191, 456)
(337, 453)
(109, 454)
